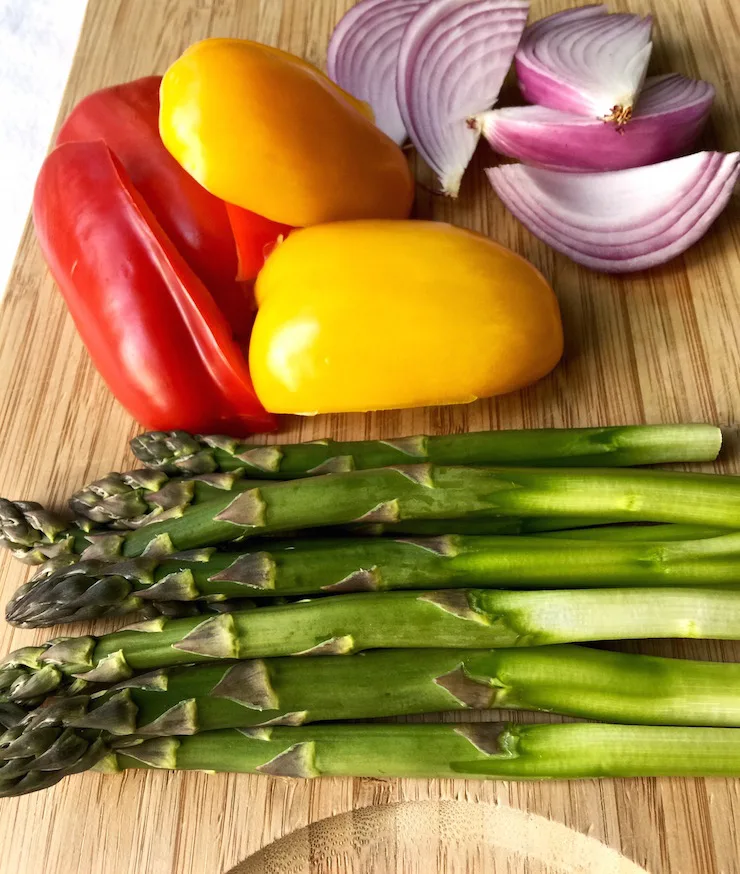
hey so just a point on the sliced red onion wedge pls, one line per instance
(585, 61)
(363, 57)
(453, 58)
(667, 119)
(624, 220)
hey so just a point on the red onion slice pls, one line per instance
(453, 58)
(623, 220)
(363, 57)
(585, 61)
(667, 119)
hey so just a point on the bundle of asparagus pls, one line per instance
(149, 720)
(224, 691)
(34, 534)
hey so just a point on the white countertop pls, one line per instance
(37, 42)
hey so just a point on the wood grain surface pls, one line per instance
(662, 346)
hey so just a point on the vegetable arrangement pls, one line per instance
(233, 242)
(245, 179)
(477, 622)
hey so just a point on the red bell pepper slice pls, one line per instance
(255, 237)
(126, 118)
(151, 326)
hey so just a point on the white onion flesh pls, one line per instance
(453, 59)
(625, 220)
(363, 57)
(585, 61)
(667, 119)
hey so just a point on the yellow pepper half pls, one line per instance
(267, 131)
(373, 315)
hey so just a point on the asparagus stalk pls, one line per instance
(311, 567)
(39, 537)
(138, 497)
(571, 680)
(477, 750)
(427, 492)
(461, 619)
(620, 446)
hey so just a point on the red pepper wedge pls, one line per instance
(126, 118)
(150, 325)
(255, 237)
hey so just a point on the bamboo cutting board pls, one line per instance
(663, 346)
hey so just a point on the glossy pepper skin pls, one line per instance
(150, 325)
(268, 132)
(372, 315)
(126, 118)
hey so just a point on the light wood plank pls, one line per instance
(657, 347)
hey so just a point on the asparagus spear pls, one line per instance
(571, 680)
(475, 750)
(38, 536)
(138, 497)
(467, 619)
(478, 750)
(620, 446)
(310, 567)
(426, 492)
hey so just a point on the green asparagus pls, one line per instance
(137, 497)
(311, 567)
(571, 680)
(34, 534)
(426, 492)
(484, 750)
(467, 619)
(620, 446)
(258, 693)
(477, 750)
(37, 536)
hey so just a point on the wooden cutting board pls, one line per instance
(662, 346)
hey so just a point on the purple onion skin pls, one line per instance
(598, 145)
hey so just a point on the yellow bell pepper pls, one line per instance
(373, 315)
(267, 131)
